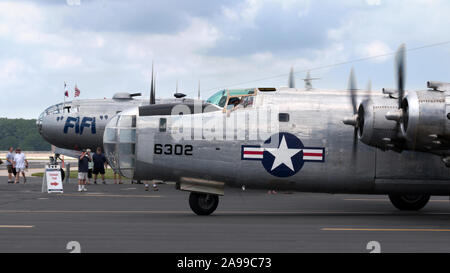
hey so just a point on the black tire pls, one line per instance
(203, 203)
(409, 201)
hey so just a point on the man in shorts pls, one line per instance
(9, 165)
(99, 160)
(83, 169)
(20, 163)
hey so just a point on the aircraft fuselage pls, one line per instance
(314, 152)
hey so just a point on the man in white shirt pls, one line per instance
(20, 163)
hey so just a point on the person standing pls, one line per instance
(117, 174)
(9, 165)
(99, 161)
(91, 166)
(20, 163)
(83, 169)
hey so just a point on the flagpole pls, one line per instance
(64, 104)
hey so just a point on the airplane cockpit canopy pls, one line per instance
(220, 97)
(58, 109)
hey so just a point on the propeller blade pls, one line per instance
(291, 82)
(369, 89)
(198, 95)
(400, 60)
(355, 143)
(352, 89)
(152, 88)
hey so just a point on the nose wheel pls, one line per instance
(203, 203)
(409, 201)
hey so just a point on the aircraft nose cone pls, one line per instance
(48, 128)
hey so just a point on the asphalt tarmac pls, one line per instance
(125, 218)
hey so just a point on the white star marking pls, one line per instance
(283, 155)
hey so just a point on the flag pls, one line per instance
(66, 91)
(77, 91)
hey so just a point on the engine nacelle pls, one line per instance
(373, 128)
(425, 123)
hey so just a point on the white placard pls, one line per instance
(54, 181)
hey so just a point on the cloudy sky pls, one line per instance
(106, 46)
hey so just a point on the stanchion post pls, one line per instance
(67, 172)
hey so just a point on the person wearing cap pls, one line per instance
(20, 163)
(83, 169)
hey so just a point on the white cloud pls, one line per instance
(373, 2)
(375, 48)
(10, 70)
(61, 60)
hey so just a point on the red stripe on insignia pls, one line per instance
(253, 153)
(312, 154)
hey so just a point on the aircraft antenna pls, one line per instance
(152, 87)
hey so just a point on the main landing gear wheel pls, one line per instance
(409, 201)
(203, 203)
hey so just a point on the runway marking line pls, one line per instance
(108, 195)
(97, 211)
(15, 226)
(387, 200)
(386, 229)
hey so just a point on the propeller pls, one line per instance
(400, 69)
(368, 90)
(152, 88)
(198, 95)
(291, 81)
(352, 88)
(369, 86)
(354, 120)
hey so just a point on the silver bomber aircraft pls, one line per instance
(292, 139)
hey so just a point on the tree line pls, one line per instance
(21, 133)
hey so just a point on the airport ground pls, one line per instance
(125, 218)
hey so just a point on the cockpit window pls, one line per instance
(58, 109)
(220, 98)
(217, 98)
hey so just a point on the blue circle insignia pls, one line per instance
(283, 158)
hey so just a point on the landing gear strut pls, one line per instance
(409, 201)
(203, 203)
